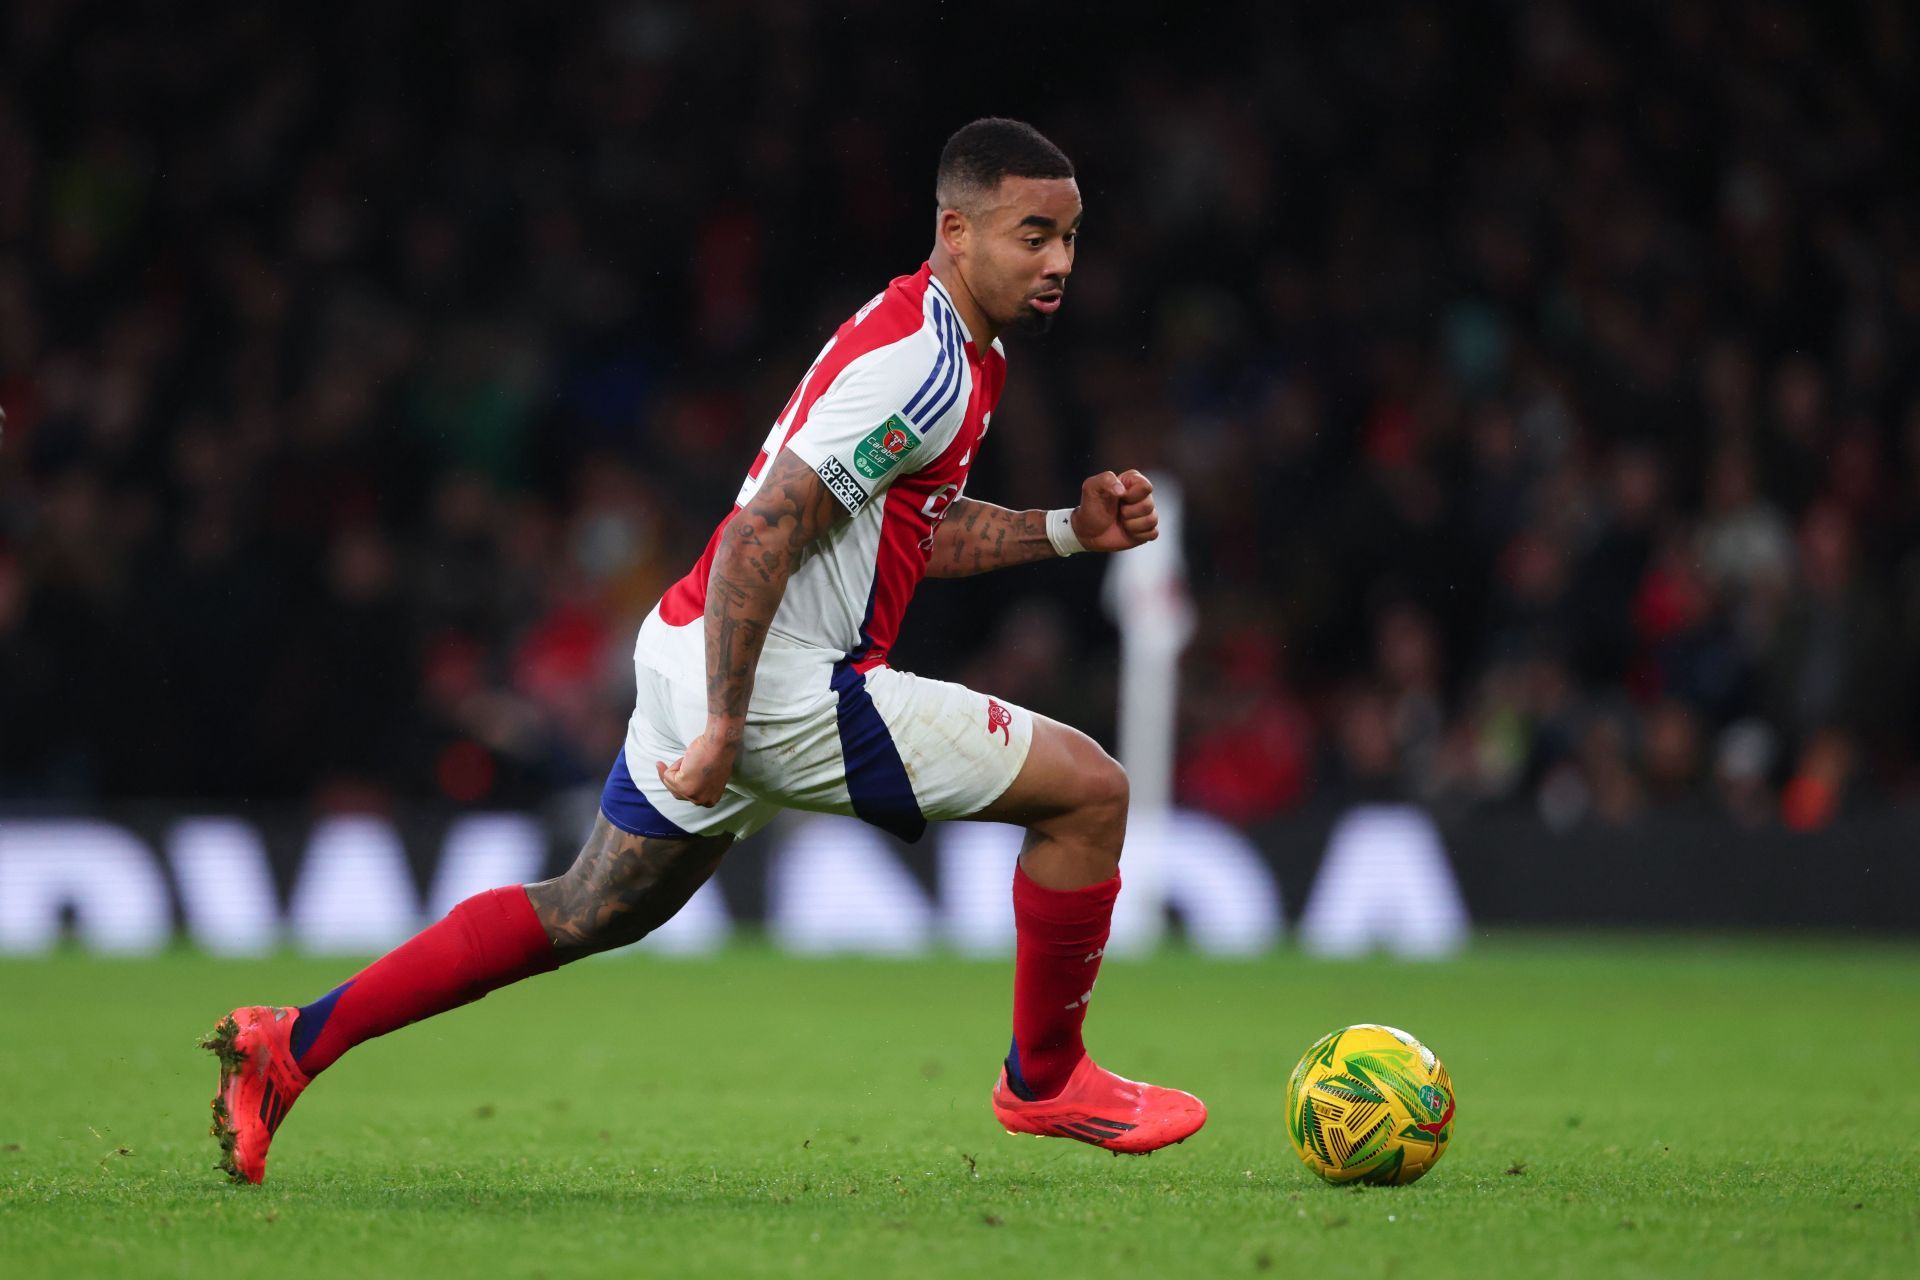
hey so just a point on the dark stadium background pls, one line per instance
(1542, 379)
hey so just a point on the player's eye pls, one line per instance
(1034, 242)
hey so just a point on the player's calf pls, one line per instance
(1072, 798)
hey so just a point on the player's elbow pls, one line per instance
(753, 550)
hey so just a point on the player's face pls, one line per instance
(1023, 253)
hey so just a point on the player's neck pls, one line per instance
(979, 329)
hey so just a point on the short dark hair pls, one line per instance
(980, 154)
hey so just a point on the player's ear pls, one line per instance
(953, 231)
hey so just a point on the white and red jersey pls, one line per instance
(890, 416)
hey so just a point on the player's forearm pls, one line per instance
(977, 537)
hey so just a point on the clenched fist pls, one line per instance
(700, 776)
(1115, 512)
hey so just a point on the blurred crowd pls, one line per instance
(1541, 380)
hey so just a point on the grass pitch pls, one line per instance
(1628, 1107)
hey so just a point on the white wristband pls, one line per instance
(1060, 531)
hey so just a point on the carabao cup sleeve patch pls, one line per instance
(858, 437)
(884, 447)
(874, 458)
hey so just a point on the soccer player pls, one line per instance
(763, 685)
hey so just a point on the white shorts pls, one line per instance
(891, 748)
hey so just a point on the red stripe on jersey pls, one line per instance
(901, 312)
(916, 504)
(898, 566)
(687, 599)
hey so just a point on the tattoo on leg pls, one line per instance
(621, 888)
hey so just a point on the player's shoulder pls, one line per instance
(905, 331)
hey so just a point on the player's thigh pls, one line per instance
(1065, 774)
(959, 749)
(891, 748)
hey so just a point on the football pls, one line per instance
(1370, 1104)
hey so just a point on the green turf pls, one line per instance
(1628, 1107)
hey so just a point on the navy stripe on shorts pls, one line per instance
(628, 808)
(876, 779)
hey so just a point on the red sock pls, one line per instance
(484, 943)
(1061, 934)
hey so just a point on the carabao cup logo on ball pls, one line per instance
(1439, 1105)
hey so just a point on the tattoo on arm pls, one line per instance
(977, 537)
(761, 548)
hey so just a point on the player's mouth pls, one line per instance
(1047, 303)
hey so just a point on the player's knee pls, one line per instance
(1109, 787)
(621, 888)
(1104, 796)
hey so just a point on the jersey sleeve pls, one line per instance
(872, 424)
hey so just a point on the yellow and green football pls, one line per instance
(1370, 1104)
